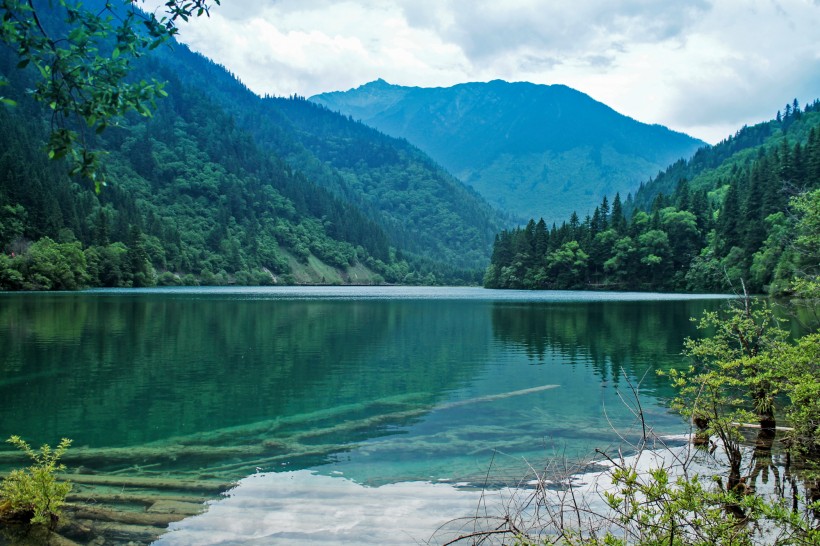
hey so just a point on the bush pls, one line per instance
(37, 491)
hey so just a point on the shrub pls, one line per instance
(37, 490)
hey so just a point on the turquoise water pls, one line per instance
(431, 381)
(377, 385)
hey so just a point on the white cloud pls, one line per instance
(699, 67)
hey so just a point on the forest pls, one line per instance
(210, 184)
(728, 216)
(206, 183)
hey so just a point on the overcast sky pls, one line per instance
(698, 66)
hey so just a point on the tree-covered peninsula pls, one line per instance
(732, 212)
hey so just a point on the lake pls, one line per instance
(344, 414)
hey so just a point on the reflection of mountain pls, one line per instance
(128, 370)
(635, 337)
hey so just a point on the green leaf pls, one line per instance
(115, 53)
(23, 63)
(8, 102)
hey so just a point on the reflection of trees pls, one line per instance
(637, 336)
(125, 370)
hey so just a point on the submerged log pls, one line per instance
(128, 517)
(169, 483)
(176, 507)
(122, 533)
(130, 498)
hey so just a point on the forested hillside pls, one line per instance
(424, 210)
(220, 186)
(542, 150)
(732, 213)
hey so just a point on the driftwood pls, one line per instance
(164, 506)
(122, 533)
(755, 425)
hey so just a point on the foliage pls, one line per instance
(45, 265)
(201, 192)
(803, 390)
(667, 506)
(737, 376)
(83, 64)
(703, 235)
(37, 490)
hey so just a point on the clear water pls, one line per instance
(381, 386)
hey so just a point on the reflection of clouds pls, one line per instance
(302, 508)
(305, 508)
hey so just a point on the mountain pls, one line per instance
(529, 149)
(221, 185)
(425, 211)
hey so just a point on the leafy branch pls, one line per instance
(83, 62)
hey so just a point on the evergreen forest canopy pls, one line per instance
(732, 213)
(218, 185)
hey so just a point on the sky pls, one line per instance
(702, 67)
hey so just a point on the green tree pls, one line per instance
(654, 251)
(622, 266)
(53, 266)
(12, 222)
(567, 265)
(83, 58)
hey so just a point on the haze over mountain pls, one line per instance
(531, 150)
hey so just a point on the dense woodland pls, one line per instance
(703, 225)
(221, 186)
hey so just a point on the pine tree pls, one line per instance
(617, 219)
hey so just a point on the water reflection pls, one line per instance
(636, 338)
(192, 388)
(123, 370)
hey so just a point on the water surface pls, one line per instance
(371, 388)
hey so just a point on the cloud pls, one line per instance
(695, 66)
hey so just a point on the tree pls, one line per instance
(82, 57)
(567, 265)
(618, 220)
(654, 250)
(53, 266)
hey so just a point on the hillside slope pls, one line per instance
(221, 185)
(424, 210)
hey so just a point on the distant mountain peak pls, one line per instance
(529, 149)
(376, 84)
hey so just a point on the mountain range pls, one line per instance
(221, 185)
(530, 150)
